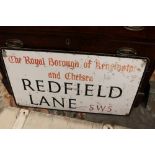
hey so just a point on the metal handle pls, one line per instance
(68, 41)
(134, 28)
(14, 43)
(126, 51)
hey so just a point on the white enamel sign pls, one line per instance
(74, 82)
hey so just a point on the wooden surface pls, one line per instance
(93, 39)
(89, 39)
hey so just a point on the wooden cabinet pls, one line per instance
(89, 39)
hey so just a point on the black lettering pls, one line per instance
(99, 92)
(66, 88)
(50, 89)
(88, 90)
(28, 84)
(78, 89)
(71, 103)
(111, 92)
(38, 85)
(43, 100)
(32, 100)
(62, 104)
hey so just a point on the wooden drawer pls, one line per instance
(89, 39)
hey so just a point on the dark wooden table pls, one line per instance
(89, 39)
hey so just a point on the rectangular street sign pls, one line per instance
(74, 82)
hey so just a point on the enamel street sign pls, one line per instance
(73, 82)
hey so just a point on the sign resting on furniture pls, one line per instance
(74, 82)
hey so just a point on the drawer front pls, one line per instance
(89, 39)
